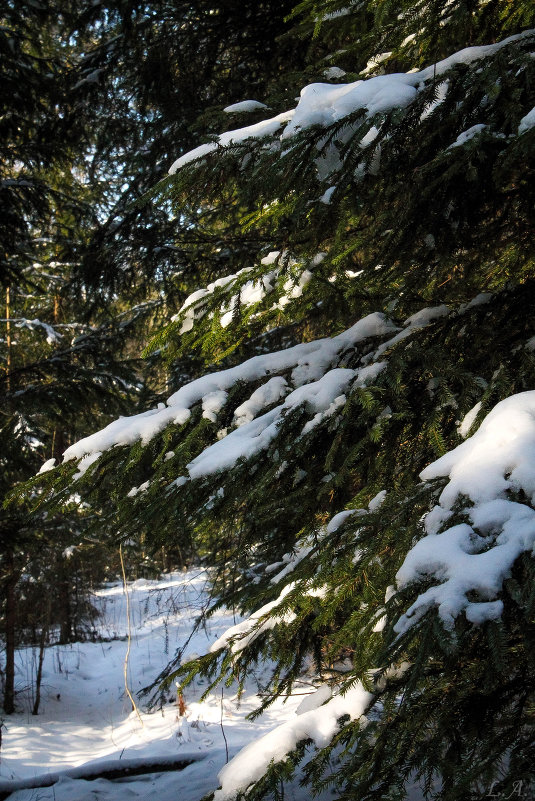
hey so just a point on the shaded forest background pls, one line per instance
(96, 102)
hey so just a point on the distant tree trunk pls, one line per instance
(64, 605)
(11, 578)
(58, 444)
(65, 612)
(8, 340)
(39, 677)
(10, 625)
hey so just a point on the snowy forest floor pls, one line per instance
(85, 724)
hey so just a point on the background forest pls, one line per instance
(280, 259)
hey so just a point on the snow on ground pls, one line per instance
(85, 720)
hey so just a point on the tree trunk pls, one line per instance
(8, 340)
(10, 624)
(39, 676)
(65, 612)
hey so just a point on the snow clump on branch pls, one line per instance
(484, 471)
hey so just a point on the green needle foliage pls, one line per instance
(422, 203)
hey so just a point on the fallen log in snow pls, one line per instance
(103, 769)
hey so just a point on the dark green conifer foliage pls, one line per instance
(95, 98)
(59, 375)
(417, 215)
(151, 79)
(59, 370)
(32, 143)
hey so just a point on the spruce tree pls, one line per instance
(60, 374)
(356, 462)
(60, 368)
(85, 87)
(148, 80)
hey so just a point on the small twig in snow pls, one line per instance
(222, 727)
